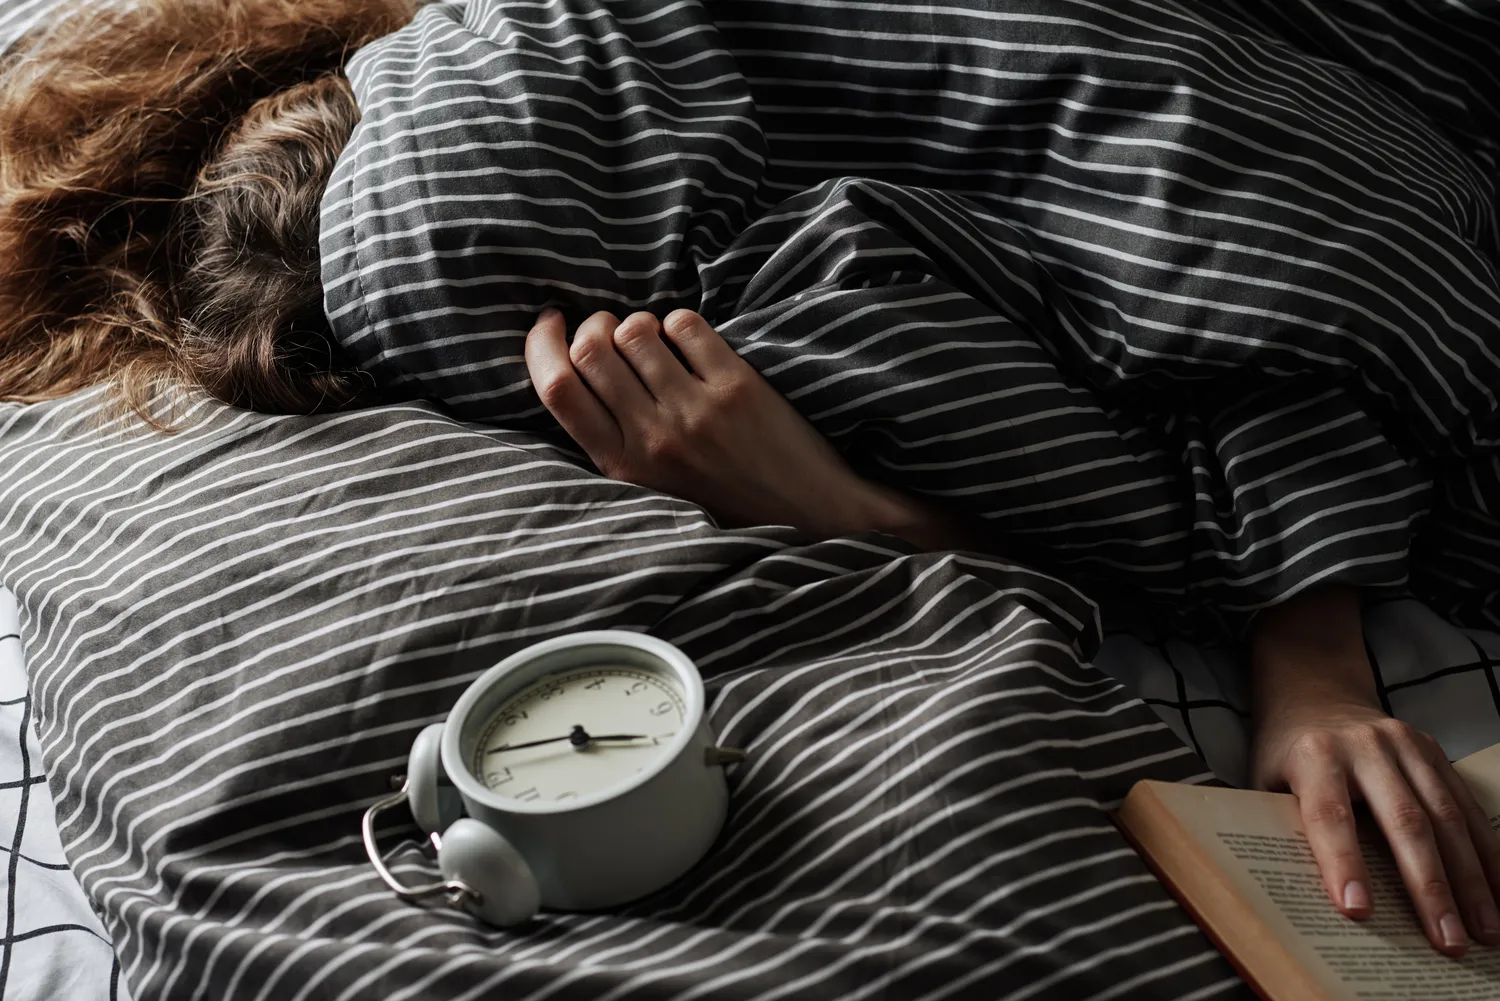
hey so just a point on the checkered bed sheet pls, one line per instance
(53, 946)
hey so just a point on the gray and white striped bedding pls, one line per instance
(1196, 299)
(1429, 674)
(233, 636)
(1160, 288)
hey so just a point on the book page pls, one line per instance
(1481, 770)
(1255, 841)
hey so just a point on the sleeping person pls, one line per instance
(1208, 312)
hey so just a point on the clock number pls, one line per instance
(662, 709)
(639, 686)
(549, 693)
(529, 794)
(513, 718)
(498, 778)
(566, 795)
(595, 684)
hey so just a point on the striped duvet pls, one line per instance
(1195, 298)
(1196, 301)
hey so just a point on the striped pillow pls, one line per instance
(234, 634)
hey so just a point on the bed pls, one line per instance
(232, 635)
(1432, 675)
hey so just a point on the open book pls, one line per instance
(1239, 863)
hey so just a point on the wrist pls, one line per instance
(1310, 652)
(894, 512)
(883, 509)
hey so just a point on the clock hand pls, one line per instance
(529, 743)
(579, 737)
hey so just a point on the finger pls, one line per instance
(565, 395)
(614, 382)
(1464, 836)
(638, 339)
(1407, 827)
(1486, 840)
(1486, 843)
(1460, 863)
(1322, 788)
(708, 353)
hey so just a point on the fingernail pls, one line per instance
(1356, 897)
(1489, 919)
(1453, 931)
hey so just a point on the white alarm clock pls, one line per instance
(577, 774)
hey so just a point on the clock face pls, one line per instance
(579, 732)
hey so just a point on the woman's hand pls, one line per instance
(1321, 734)
(710, 431)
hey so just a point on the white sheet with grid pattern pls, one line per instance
(52, 946)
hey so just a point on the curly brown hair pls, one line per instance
(161, 171)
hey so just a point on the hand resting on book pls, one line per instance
(1321, 734)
